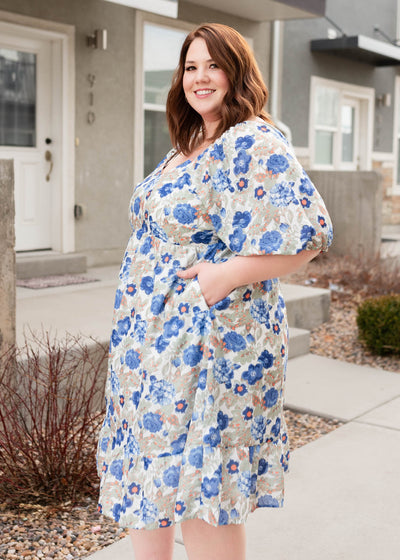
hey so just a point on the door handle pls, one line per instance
(49, 157)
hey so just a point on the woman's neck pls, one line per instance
(210, 128)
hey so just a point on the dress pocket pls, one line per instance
(201, 299)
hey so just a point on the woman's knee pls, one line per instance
(206, 542)
(157, 544)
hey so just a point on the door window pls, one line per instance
(17, 98)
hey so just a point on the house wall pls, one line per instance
(105, 155)
(299, 64)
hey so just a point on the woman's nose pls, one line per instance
(202, 75)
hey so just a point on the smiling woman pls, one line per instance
(198, 351)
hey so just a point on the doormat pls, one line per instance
(54, 281)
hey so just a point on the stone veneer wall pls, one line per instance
(391, 202)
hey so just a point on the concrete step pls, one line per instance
(43, 263)
(306, 307)
(299, 342)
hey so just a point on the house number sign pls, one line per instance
(91, 117)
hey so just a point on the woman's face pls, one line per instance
(204, 84)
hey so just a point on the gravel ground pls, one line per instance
(41, 533)
(338, 339)
(350, 282)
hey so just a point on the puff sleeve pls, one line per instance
(261, 201)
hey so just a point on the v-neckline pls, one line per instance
(173, 152)
(186, 162)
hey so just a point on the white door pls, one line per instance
(26, 134)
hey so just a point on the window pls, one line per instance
(17, 98)
(340, 125)
(161, 48)
(326, 124)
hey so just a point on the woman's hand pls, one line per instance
(214, 283)
(218, 280)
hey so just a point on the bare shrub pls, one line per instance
(51, 396)
(350, 276)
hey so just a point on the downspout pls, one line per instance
(276, 71)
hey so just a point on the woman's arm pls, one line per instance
(218, 280)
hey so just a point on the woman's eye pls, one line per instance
(213, 65)
(189, 68)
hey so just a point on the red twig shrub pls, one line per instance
(51, 397)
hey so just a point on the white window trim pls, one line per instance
(138, 126)
(365, 95)
(395, 186)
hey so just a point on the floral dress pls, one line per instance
(194, 424)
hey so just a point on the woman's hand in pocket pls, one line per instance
(214, 283)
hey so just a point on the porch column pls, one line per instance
(7, 254)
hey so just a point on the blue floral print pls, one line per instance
(277, 163)
(185, 213)
(241, 161)
(194, 395)
(282, 195)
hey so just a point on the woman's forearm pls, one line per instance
(248, 270)
(217, 280)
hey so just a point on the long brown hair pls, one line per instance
(245, 98)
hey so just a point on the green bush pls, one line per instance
(378, 321)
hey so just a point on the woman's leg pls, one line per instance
(156, 544)
(205, 542)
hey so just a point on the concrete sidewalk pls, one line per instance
(343, 489)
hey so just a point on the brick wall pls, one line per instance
(391, 202)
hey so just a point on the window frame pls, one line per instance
(365, 96)
(143, 18)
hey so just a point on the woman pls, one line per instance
(194, 430)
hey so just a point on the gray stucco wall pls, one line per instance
(299, 64)
(7, 254)
(105, 155)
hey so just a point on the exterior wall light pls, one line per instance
(384, 100)
(98, 40)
